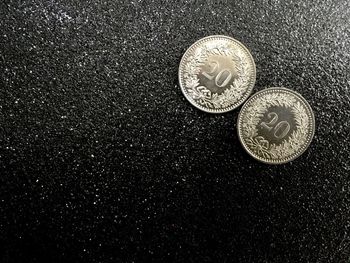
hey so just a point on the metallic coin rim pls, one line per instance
(251, 84)
(311, 132)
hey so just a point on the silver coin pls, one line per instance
(217, 74)
(276, 125)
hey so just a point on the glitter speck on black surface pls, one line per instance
(102, 159)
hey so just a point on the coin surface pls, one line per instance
(276, 125)
(217, 74)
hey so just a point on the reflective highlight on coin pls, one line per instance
(217, 74)
(276, 125)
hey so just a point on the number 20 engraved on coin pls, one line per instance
(217, 74)
(276, 125)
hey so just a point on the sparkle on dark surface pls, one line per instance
(102, 159)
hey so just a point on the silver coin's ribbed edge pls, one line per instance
(251, 84)
(311, 131)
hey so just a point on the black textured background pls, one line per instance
(103, 160)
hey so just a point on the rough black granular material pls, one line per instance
(102, 159)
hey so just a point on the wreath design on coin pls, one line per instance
(204, 96)
(258, 144)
